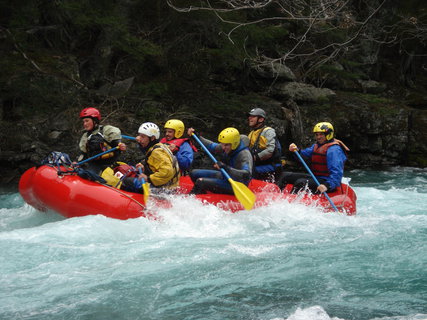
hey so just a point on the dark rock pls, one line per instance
(274, 70)
(371, 86)
(302, 92)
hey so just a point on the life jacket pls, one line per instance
(96, 143)
(123, 169)
(240, 159)
(148, 170)
(319, 163)
(178, 142)
(114, 176)
(257, 143)
(230, 159)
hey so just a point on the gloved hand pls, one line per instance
(221, 165)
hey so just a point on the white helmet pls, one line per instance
(149, 129)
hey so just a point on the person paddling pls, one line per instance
(236, 160)
(327, 155)
(98, 138)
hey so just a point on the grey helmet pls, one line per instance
(258, 112)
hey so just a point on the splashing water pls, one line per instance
(283, 261)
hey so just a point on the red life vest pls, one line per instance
(178, 143)
(319, 165)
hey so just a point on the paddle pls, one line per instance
(145, 187)
(314, 178)
(96, 156)
(128, 137)
(245, 196)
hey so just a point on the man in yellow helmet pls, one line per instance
(327, 157)
(264, 146)
(236, 159)
(182, 148)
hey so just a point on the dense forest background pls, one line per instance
(359, 64)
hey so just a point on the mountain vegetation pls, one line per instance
(358, 63)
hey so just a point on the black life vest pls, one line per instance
(96, 143)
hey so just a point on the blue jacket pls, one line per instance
(239, 162)
(185, 156)
(335, 158)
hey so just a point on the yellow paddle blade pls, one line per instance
(245, 196)
(146, 189)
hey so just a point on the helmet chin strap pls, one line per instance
(152, 142)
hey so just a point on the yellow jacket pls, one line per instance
(163, 169)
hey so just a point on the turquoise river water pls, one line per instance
(283, 261)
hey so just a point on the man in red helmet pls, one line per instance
(97, 139)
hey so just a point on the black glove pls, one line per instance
(222, 165)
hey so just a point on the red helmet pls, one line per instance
(90, 113)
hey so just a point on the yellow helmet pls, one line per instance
(230, 135)
(326, 128)
(176, 125)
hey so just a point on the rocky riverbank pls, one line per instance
(380, 132)
(361, 66)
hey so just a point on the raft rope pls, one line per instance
(57, 159)
(123, 194)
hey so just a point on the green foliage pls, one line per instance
(248, 40)
(340, 73)
(138, 48)
(40, 93)
(335, 35)
(412, 7)
(372, 98)
(19, 14)
(350, 64)
(227, 108)
(226, 57)
(267, 36)
(92, 13)
(380, 105)
(153, 89)
(12, 64)
(416, 159)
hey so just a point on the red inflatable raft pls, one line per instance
(72, 196)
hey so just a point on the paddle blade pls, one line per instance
(245, 196)
(146, 189)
